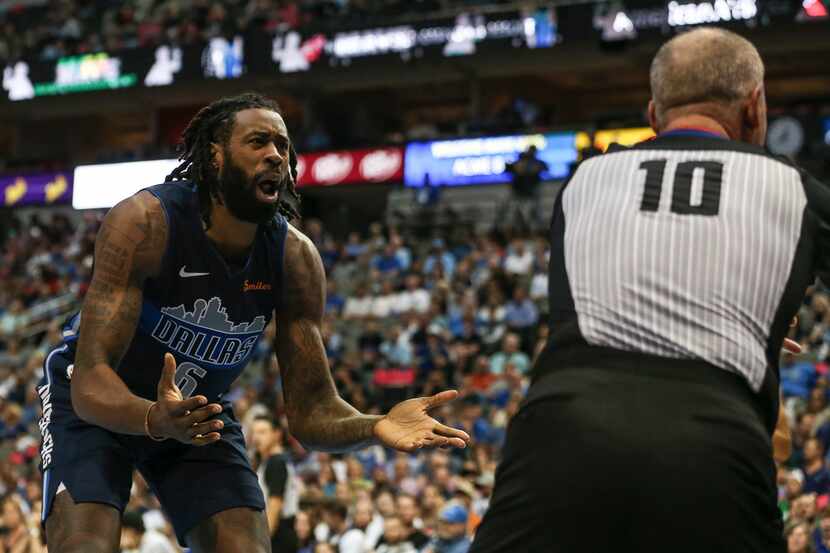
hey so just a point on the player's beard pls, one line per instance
(239, 195)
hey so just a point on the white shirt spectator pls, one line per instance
(154, 541)
(353, 540)
(518, 263)
(357, 308)
(412, 300)
(383, 306)
(539, 286)
(374, 531)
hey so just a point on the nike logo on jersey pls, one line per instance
(185, 274)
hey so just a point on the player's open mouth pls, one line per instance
(269, 189)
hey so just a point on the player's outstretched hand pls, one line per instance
(185, 420)
(408, 426)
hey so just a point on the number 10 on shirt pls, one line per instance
(707, 200)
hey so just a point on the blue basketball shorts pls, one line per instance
(95, 465)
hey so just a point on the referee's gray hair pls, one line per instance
(702, 66)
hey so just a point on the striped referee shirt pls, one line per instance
(687, 246)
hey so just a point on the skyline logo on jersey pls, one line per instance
(205, 335)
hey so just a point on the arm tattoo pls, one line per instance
(128, 249)
(318, 417)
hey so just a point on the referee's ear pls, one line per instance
(755, 117)
(652, 116)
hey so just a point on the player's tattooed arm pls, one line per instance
(317, 416)
(128, 249)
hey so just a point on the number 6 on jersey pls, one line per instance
(187, 378)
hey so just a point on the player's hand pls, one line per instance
(185, 420)
(408, 426)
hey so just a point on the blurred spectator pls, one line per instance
(816, 476)
(821, 535)
(356, 539)
(526, 172)
(510, 356)
(14, 320)
(452, 528)
(388, 262)
(303, 527)
(334, 301)
(347, 540)
(384, 303)
(519, 260)
(490, 318)
(358, 306)
(394, 537)
(798, 537)
(439, 256)
(521, 315)
(278, 481)
(20, 534)
(410, 521)
(413, 298)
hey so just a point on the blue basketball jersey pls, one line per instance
(207, 314)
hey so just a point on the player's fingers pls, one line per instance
(206, 439)
(450, 432)
(203, 413)
(185, 406)
(435, 440)
(440, 398)
(413, 443)
(456, 442)
(168, 373)
(205, 428)
(792, 346)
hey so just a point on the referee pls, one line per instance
(676, 267)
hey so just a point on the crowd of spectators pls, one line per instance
(804, 480)
(405, 317)
(48, 30)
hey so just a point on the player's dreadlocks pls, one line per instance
(213, 124)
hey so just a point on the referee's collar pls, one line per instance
(693, 131)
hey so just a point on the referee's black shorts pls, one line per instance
(645, 459)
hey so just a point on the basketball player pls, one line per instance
(676, 267)
(187, 275)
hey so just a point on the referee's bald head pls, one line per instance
(712, 72)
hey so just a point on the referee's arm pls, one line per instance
(781, 439)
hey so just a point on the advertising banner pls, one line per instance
(37, 189)
(484, 160)
(625, 137)
(268, 53)
(350, 167)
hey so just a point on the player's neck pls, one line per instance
(232, 237)
(698, 122)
